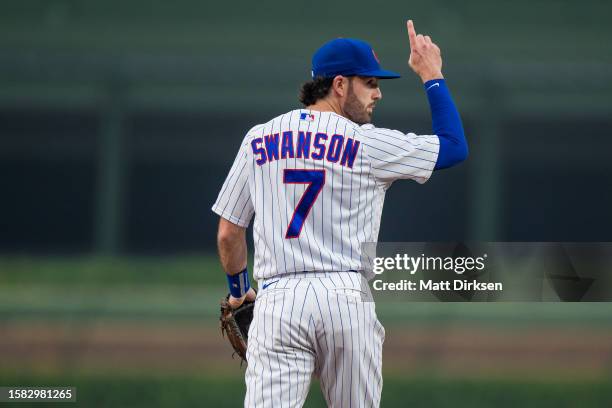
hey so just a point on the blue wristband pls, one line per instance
(239, 283)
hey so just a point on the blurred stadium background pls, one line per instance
(119, 121)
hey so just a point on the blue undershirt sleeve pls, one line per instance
(446, 124)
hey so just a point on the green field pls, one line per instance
(210, 391)
(142, 332)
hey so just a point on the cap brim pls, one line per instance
(380, 73)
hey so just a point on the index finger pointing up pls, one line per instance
(411, 34)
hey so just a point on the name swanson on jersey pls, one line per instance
(266, 148)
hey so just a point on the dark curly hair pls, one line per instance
(314, 90)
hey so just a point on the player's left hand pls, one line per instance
(235, 321)
(236, 302)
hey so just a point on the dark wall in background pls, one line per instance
(119, 122)
(174, 170)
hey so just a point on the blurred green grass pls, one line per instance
(189, 287)
(215, 391)
(98, 271)
(80, 290)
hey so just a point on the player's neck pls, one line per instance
(323, 105)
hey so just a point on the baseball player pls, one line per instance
(315, 180)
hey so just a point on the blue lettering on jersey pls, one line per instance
(257, 150)
(350, 152)
(335, 147)
(272, 146)
(287, 145)
(341, 148)
(318, 145)
(303, 145)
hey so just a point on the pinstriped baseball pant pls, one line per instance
(314, 323)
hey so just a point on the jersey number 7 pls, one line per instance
(315, 180)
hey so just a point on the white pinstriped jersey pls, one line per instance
(316, 183)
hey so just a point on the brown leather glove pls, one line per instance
(235, 323)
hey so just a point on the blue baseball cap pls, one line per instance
(348, 57)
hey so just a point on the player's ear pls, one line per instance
(339, 85)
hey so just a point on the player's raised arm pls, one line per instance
(426, 61)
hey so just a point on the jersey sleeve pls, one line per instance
(234, 202)
(395, 155)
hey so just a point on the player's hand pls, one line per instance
(236, 302)
(425, 57)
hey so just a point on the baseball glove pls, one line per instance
(235, 323)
